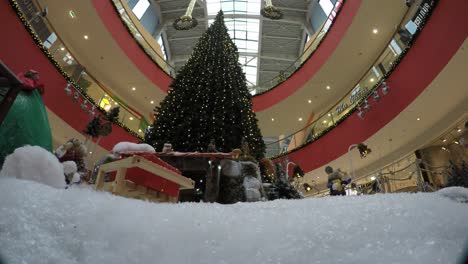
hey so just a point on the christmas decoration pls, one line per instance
(186, 21)
(208, 99)
(363, 150)
(458, 174)
(26, 122)
(73, 150)
(270, 11)
(96, 128)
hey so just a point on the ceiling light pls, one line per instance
(328, 87)
(300, 118)
(85, 37)
(90, 152)
(133, 88)
(372, 79)
(375, 31)
(310, 101)
(62, 48)
(324, 121)
(444, 148)
(116, 103)
(272, 119)
(444, 140)
(329, 114)
(152, 102)
(372, 178)
(139, 130)
(418, 118)
(72, 14)
(456, 142)
(459, 130)
(131, 118)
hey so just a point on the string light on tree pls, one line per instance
(209, 99)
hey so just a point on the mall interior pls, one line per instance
(375, 89)
(325, 77)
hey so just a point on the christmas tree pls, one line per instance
(208, 100)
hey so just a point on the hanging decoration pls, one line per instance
(186, 21)
(270, 11)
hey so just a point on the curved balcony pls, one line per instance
(83, 88)
(328, 137)
(42, 50)
(361, 95)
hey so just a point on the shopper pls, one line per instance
(336, 181)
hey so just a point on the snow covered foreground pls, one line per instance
(41, 224)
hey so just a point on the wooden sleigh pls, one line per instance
(144, 177)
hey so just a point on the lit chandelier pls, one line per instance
(186, 21)
(270, 11)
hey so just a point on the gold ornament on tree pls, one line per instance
(270, 11)
(186, 21)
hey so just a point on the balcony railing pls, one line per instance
(83, 88)
(142, 38)
(366, 91)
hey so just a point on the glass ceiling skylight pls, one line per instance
(140, 8)
(242, 19)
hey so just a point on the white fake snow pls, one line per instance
(36, 164)
(123, 147)
(40, 224)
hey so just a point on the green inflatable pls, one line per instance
(26, 122)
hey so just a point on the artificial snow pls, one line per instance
(458, 194)
(39, 224)
(124, 147)
(36, 164)
(69, 167)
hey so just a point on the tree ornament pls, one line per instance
(84, 105)
(68, 89)
(91, 110)
(270, 11)
(76, 95)
(186, 21)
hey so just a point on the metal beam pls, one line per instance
(202, 3)
(177, 59)
(280, 37)
(179, 10)
(260, 30)
(293, 9)
(185, 38)
(302, 46)
(160, 26)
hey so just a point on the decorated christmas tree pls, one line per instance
(208, 100)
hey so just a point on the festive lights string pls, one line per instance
(71, 83)
(385, 88)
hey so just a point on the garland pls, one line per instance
(386, 76)
(129, 30)
(59, 68)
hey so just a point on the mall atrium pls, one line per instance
(221, 131)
